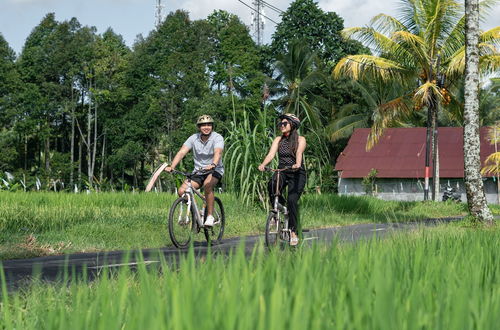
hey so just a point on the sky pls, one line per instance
(133, 17)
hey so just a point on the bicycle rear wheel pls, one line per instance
(214, 234)
(274, 225)
(180, 223)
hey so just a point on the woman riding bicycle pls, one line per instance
(290, 147)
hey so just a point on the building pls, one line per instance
(399, 159)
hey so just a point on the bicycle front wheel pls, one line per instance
(273, 229)
(214, 234)
(180, 223)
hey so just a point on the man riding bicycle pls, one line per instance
(207, 147)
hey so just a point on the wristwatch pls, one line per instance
(214, 165)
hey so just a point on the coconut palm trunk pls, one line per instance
(476, 198)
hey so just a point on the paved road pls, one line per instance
(50, 268)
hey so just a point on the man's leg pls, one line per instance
(183, 187)
(209, 185)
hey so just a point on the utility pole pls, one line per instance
(159, 13)
(258, 21)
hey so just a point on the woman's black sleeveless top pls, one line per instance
(286, 155)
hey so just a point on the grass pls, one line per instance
(442, 278)
(36, 224)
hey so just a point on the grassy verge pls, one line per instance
(443, 278)
(35, 224)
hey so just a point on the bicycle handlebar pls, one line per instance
(286, 168)
(199, 171)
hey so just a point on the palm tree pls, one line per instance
(297, 75)
(360, 115)
(425, 41)
(417, 50)
(476, 198)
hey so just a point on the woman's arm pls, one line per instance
(300, 151)
(270, 154)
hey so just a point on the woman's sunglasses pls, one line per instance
(283, 123)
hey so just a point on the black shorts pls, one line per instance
(199, 179)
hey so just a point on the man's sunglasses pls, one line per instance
(206, 124)
(283, 123)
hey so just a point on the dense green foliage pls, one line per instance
(430, 279)
(34, 224)
(80, 110)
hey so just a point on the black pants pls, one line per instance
(296, 182)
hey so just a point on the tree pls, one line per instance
(9, 81)
(39, 74)
(235, 59)
(319, 31)
(296, 75)
(407, 52)
(415, 50)
(476, 198)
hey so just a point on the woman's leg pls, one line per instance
(296, 184)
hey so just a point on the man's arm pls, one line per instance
(217, 157)
(218, 148)
(178, 157)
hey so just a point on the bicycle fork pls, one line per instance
(280, 208)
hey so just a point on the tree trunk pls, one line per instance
(79, 162)
(101, 173)
(476, 198)
(496, 141)
(89, 146)
(46, 151)
(435, 154)
(72, 144)
(94, 151)
(25, 153)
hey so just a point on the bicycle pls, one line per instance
(185, 218)
(277, 219)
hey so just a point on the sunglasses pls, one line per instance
(201, 125)
(283, 123)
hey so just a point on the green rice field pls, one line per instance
(441, 278)
(37, 224)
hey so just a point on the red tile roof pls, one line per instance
(400, 153)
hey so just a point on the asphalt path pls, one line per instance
(19, 272)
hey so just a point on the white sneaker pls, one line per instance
(209, 222)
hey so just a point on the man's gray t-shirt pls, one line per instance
(203, 152)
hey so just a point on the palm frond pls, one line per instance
(491, 36)
(493, 134)
(413, 43)
(385, 115)
(485, 8)
(455, 65)
(360, 66)
(387, 24)
(492, 164)
(454, 40)
(489, 63)
(408, 16)
(377, 41)
(344, 127)
(424, 94)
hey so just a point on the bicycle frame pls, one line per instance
(191, 202)
(192, 206)
(277, 207)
